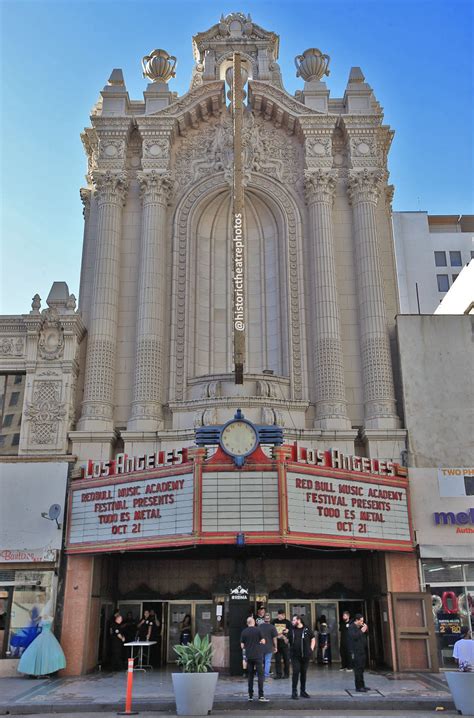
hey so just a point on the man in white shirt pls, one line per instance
(463, 651)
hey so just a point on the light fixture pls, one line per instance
(240, 540)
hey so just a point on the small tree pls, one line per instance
(195, 657)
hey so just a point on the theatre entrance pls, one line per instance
(171, 614)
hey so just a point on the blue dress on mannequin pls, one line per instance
(44, 655)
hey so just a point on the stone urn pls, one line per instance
(159, 66)
(312, 65)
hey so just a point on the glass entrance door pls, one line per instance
(176, 613)
(303, 609)
(203, 619)
(327, 622)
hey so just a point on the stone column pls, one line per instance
(97, 406)
(331, 405)
(379, 397)
(147, 390)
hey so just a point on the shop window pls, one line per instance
(469, 485)
(443, 282)
(439, 571)
(12, 388)
(455, 259)
(32, 600)
(440, 259)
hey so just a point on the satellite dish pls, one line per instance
(54, 511)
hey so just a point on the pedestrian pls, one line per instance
(186, 635)
(324, 641)
(154, 634)
(357, 635)
(252, 642)
(343, 643)
(283, 627)
(302, 642)
(463, 652)
(260, 617)
(144, 626)
(270, 634)
(129, 628)
(116, 646)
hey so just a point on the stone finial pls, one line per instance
(71, 303)
(159, 66)
(356, 75)
(116, 78)
(312, 65)
(36, 304)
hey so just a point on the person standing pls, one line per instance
(324, 641)
(270, 634)
(283, 627)
(302, 642)
(186, 635)
(260, 617)
(343, 644)
(117, 641)
(252, 642)
(154, 634)
(357, 635)
(463, 652)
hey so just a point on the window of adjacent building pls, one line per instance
(455, 259)
(12, 390)
(443, 282)
(455, 276)
(440, 259)
(472, 253)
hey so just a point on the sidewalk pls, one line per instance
(329, 688)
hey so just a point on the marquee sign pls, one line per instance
(315, 500)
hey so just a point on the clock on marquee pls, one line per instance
(239, 437)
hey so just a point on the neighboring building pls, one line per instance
(431, 251)
(317, 525)
(460, 298)
(437, 365)
(39, 364)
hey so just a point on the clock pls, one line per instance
(239, 438)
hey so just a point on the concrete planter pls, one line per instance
(194, 693)
(461, 686)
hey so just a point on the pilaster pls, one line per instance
(148, 385)
(329, 385)
(364, 187)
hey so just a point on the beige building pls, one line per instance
(121, 385)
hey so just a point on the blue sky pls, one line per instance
(57, 56)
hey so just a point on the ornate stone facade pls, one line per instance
(155, 283)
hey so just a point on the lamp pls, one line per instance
(240, 540)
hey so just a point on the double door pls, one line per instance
(200, 613)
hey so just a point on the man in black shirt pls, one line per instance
(252, 643)
(344, 642)
(283, 627)
(357, 640)
(302, 642)
(117, 641)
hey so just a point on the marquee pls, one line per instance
(279, 500)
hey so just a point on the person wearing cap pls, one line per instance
(463, 652)
(283, 627)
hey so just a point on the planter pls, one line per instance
(194, 693)
(461, 686)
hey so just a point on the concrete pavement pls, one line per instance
(330, 690)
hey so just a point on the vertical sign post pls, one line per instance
(238, 236)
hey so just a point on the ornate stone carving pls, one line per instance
(312, 65)
(265, 388)
(86, 194)
(100, 384)
(110, 149)
(51, 336)
(210, 416)
(159, 66)
(265, 150)
(148, 371)
(320, 185)
(365, 185)
(155, 187)
(156, 148)
(35, 304)
(12, 346)
(110, 187)
(45, 412)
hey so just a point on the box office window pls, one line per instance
(12, 392)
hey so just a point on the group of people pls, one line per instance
(126, 630)
(292, 642)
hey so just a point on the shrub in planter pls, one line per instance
(194, 688)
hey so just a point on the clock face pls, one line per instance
(239, 438)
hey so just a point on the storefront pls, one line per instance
(444, 524)
(29, 558)
(315, 532)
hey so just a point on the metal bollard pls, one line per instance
(128, 699)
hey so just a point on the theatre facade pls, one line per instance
(194, 487)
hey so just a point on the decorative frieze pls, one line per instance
(45, 412)
(12, 346)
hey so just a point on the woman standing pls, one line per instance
(186, 635)
(324, 641)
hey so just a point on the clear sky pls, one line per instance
(57, 55)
